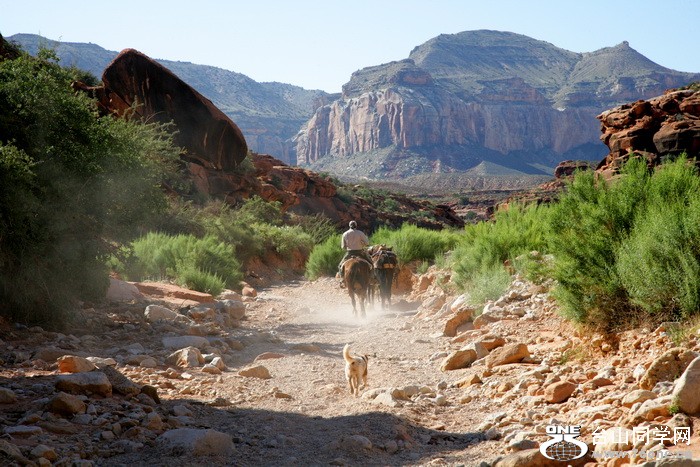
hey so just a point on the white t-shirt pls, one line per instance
(354, 239)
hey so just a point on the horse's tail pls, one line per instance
(359, 275)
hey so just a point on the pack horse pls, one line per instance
(385, 263)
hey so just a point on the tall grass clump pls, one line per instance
(478, 260)
(412, 243)
(324, 258)
(205, 264)
(627, 250)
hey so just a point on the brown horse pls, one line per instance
(385, 264)
(357, 273)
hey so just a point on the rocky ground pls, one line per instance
(258, 380)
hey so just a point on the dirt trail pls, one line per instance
(320, 423)
(411, 414)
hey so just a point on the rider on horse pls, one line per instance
(355, 243)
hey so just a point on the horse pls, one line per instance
(385, 262)
(356, 275)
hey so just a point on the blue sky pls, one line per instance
(318, 44)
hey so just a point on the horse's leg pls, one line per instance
(352, 298)
(362, 296)
(389, 282)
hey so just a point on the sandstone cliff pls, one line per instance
(480, 95)
(663, 126)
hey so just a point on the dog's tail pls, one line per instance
(346, 354)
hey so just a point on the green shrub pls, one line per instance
(487, 284)
(317, 226)
(487, 245)
(255, 209)
(161, 256)
(659, 264)
(284, 239)
(73, 183)
(627, 252)
(196, 279)
(325, 258)
(412, 243)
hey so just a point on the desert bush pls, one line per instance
(487, 245)
(486, 284)
(317, 226)
(659, 264)
(325, 258)
(73, 183)
(161, 256)
(412, 243)
(196, 279)
(626, 251)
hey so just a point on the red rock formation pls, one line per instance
(397, 116)
(665, 125)
(136, 85)
(134, 81)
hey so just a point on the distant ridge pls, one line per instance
(269, 114)
(485, 101)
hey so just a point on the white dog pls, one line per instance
(355, 370)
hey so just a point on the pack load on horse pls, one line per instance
(385, 263)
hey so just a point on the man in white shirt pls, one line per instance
(355, 243)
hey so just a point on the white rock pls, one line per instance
(687, 389)
(179, 342)
(196, 442)
(356, 442)
(155, 312)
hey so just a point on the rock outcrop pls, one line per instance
(137, 86)
(665, 125)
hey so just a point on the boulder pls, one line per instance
(669, 366)
(189, 357)
(459, 359)
(155, 312)
(122, 291)
(196, 442)
(66, 404)
(93, 382)
(257, 371)
(74, 364)
(559, 391)
(686, 393)
(510, 353)
(462, 316)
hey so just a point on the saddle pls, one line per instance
(383, 257)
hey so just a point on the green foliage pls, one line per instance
(318, 227)
(412, 243)
(487, 245)
(196, 279)
(72, 183)
(184, 258)
(258, 210)
(628, 251)
(325, 258)
(487, 284)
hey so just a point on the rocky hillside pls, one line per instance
(481, 103)
(216, 155)
(268, 114)
(459, 100)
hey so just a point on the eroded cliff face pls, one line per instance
(409, 118)
(479, 96)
